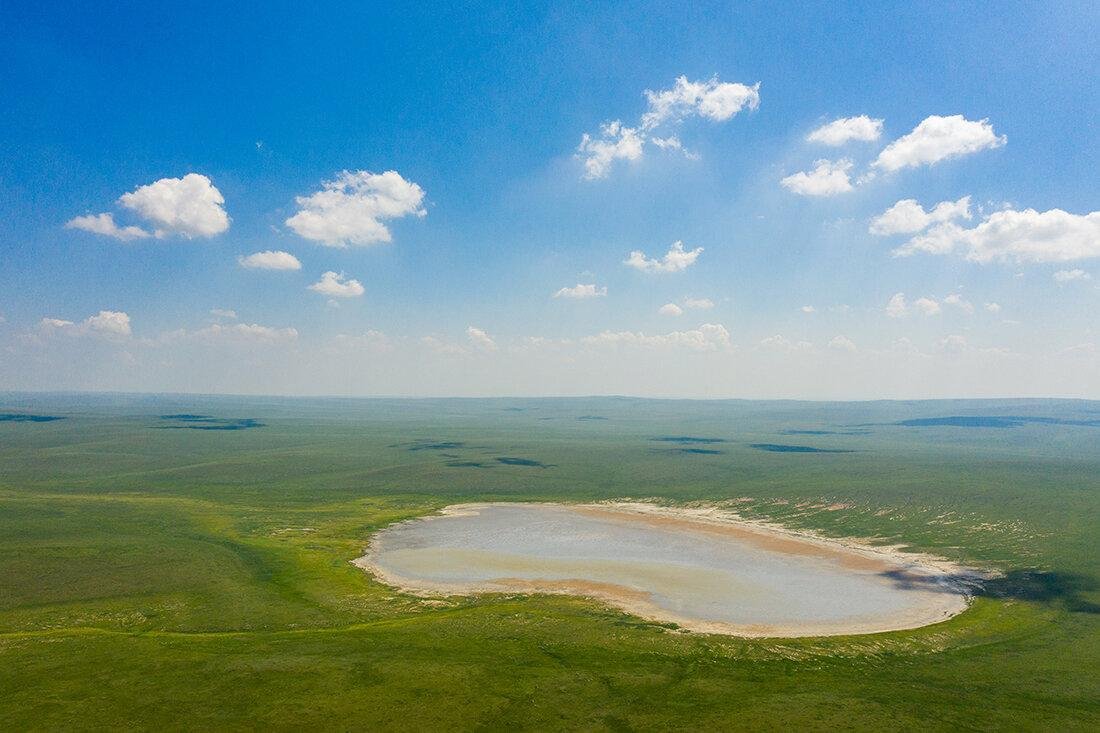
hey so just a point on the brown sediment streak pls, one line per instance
(759, 537)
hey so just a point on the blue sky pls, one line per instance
(481, 112)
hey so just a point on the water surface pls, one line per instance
(700, 572)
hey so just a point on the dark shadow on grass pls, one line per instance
(23, 417)
(205, 422)
(509, 461)
(992, 421)
(779, 448)
(688, 439)
(1037, 586)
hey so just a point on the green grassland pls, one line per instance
(159, 574)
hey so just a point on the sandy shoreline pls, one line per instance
(853, 555)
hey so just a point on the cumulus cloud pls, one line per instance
(779, 342)
(907, 216)
(480, 339)
(111, 324)
(105, 225)
(353, 208)
(953, 344)
(581, 292)
(615, 142)
(927, 306)
(708, 337)
(190, 206)
(1066, 276)
(808, 309)
(337, 285)
(959, 302)
(1018, 236)
(701, 304)
(670, 309)
(234, 332)
(224, 313)
(675, 260)
(828, 178)
(897, 307)
(938, 138)
(842, 343)
(847, 129)
(270, 260)
(993, 307)
(712, 100)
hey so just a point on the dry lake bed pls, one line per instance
(704, 570)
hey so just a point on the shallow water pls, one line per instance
(698, 573)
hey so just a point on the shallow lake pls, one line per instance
(704, 571)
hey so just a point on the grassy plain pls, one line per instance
(191, 573)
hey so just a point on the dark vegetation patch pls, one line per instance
(466, 464)
(205, 422)
(688, 439)
(509, 461)
(701, 451)
(592, 417)
(23, 417)
(992, 421)
(779, 448)
(825, 432)
(441, 445)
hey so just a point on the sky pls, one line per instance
(750, 200)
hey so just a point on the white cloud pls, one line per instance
(959, 302)
(337, 286)
(842, 343)
(581, 292)
(713, 100)
(953, 344)
(352, 208)
(480, 339)
(897, 307)
(110, 324)
(993, 307)
(105, 224)
(224, 313)
(616, 142)
(927, 306)
(845, 129)
(808, 309)
(782, 343)
(698, 304)
(670, 309)
(441, 347)
(114, 323)
(667, 143)
(1065, 276)
(1019, 236)
(270, 260)
(828, 178)
(675, 260)
(242, 332)
(938, 138)
(708, 337)
(907, 216)
(190, 206)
